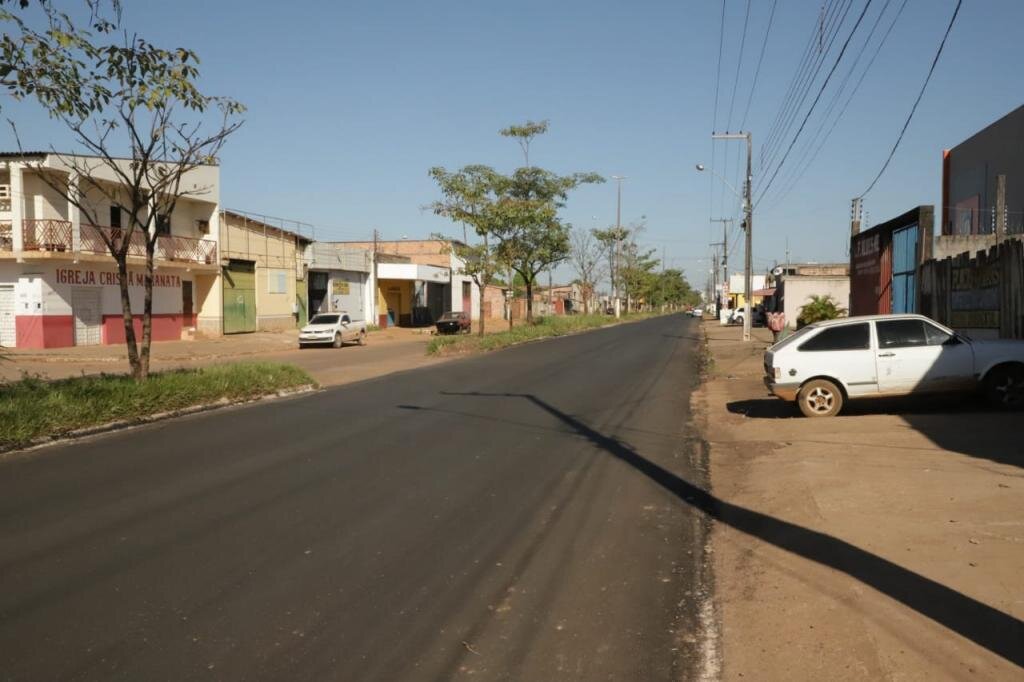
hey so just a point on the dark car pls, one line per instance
(453, 323)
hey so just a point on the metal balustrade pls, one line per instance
(56, 235)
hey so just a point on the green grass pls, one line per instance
(544, 327)
(34, 408)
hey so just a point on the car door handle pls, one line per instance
(886, 355)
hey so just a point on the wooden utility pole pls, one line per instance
(855, 213)
(748, 227)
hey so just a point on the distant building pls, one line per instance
(417, 280)
(796, 283)
(983, 188)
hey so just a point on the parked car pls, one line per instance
(696, 312)
(453, 322)
(825, 364)
(332, 329)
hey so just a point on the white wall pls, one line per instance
(798, 290)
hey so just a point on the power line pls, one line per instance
(714, 118)
(803, 66)
(800, 168)
(770, 153)
(931, 70)
(739, 63)
(760, 59)
(817, 98)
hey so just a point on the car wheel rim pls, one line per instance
(820, 400)
(1010, 390)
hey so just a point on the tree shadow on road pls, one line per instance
(984, 625)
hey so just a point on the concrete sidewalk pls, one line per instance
(886, 543)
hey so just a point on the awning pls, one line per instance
(763, 292)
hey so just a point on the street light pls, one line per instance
(618, 240)
(748, 223)
(739, 195)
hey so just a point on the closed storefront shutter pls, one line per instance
(7, 328)
(239, 297)
(85, 308)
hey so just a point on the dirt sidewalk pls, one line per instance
(886, 543)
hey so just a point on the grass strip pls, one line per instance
(544, 327)
(34, 408)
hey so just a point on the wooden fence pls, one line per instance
(984, 291)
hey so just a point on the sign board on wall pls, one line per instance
(975, 297)
(339, 287)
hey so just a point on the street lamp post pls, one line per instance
(748, 226)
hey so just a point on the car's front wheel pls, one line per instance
(337, 341)
(362, 338)
(1004, 387)
(820, 398)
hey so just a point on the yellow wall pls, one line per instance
(385, 293)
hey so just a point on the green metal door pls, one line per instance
(302, 302)
(239, 279)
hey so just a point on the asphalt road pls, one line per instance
(495, 518)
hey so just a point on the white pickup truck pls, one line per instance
(826, 363)
(334, 329)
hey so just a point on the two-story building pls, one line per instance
(59, 285)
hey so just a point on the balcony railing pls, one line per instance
(55, 235)
(6, 236)
(46, 235)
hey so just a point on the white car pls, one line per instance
(826, 363)
(332, 329)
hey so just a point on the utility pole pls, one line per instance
(714, 269)
(376, 285)
(1000, 226)
(748, 227)
(726, 226)
(855, 214)
(618, 241)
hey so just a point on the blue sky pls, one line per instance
(349, 104)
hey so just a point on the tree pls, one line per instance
(519, 212)
(585, 253)
(125, 98)
(818, 309)
(470, 197)
(610, 239)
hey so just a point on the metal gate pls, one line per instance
(7, 329)
(348, 293)
(85, 309)
(904, 269)
(239, 297)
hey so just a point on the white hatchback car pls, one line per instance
(826, 363)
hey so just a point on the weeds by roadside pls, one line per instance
(34, 408)
(542, 328)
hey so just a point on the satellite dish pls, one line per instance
(777, 271)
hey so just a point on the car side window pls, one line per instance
(844, 337)
(901, 334)
(345, 319)
(936, 336)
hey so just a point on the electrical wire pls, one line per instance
(832, 28)
(760, 59)
(714, 117)
(798, 81)
(917, 101)
(817, 98)
(800, 169)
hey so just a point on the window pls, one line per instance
(324, 319)
(163, 223)
(115, 217)
(346, 319)
(936, 336)
(901, 334)
(844, 337)
(277, 281)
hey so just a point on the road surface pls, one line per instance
(496, 518)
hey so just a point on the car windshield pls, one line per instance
(324, 319)
(449, 317)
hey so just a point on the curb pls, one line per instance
(124, 424)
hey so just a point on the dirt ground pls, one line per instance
(886, 543)
(388, 350)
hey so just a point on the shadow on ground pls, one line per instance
(984, 625)
(955, 423)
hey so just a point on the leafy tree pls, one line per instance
(610, 240)
(519, 212)
(818, 309)
(119, 98)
